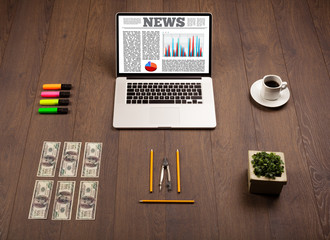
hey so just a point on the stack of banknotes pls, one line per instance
(65, 190)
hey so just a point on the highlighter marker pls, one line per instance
(54, 102)
(53, 110)
(55, 94)
(56, 86)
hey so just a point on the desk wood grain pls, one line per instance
(74, 42)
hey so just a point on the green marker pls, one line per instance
(54, 102)
(53, 110)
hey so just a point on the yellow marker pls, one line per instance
(151, 168)
(167, 201)
(178, 170)
(54, 102)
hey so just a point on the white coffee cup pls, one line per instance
(271, 87)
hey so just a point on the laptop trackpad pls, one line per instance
(165, 117)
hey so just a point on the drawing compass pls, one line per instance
(165, 166)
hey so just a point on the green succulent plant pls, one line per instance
(268, 165)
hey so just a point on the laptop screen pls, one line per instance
(163, 44)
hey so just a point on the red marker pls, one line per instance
(56, 86)
(55, 94)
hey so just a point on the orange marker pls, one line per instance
(56, 86)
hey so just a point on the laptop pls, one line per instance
(164, 71)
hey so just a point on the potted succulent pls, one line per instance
(266, 173)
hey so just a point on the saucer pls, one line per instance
(255, 93)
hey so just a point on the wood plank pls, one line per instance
(306, 67)
(134, 220)
(320, 10)
(19, 74)
(278, 129)
(7, 14)
(62, 63)
(145, 6)
(240, 215)
(93, 122)
(181, 6)
(198, 221)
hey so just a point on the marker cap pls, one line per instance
(62, 110)
(63, 102)
(66, 86)
(64, 94)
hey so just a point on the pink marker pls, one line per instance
(55, 94)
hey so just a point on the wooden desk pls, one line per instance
(61, 41)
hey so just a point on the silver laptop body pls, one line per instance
(164, 71)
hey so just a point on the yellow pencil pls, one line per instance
(178, 170)
(167, 201)
(151, 168)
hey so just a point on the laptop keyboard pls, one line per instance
(164, 93)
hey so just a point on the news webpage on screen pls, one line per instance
(163, 44)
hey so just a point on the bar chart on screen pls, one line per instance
(183, 45)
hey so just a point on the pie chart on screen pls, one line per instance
(150, 66)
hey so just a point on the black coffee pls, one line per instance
(272, 84)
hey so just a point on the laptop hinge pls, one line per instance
(164, 77)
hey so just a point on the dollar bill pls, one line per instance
(70, 159)
(41, 199)
(87, 199)
(92, 160)
(63, 200)
(48, 159)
